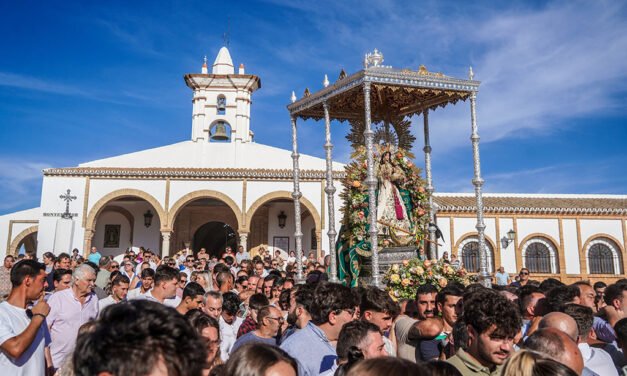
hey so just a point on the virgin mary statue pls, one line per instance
(393, 203)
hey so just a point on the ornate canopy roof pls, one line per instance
(399, 91)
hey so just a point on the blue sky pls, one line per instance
(86, 80)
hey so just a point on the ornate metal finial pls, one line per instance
(325, 83)
(342, 75)
(205, 60)
(373, 59)
(293, 97)
(67, 198)
(306, 93)
(471, 74)
(422, 70)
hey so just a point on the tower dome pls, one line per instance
(223, 63)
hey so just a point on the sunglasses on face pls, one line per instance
(524, 273)
(115, 266)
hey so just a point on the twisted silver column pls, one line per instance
(330, 191)
(371, 182)
(477, 181)
(296, 195)
(427, 149)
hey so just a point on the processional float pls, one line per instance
(378, 102)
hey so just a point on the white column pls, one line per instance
(371, 182)
(296, 195)
(330, 191)
(165, 243)
(243, 240)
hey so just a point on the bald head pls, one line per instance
(556, 345)
(561, 322)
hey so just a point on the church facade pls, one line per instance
(218, 188)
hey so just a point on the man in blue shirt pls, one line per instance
(332, 307)
(94, 255)
(269, 321)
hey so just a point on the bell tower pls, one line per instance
(221, 101)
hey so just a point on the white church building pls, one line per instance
(222, 182)
(185, 194)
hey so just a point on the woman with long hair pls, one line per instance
(209, 329)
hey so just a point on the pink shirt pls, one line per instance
(65, 318)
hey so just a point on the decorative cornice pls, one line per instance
(527, 210)
(534, 204)
(190, 173)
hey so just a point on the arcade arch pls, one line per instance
(118, 221)
(263, 224)
(195, 221)
(27, 238)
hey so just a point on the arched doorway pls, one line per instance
(123, 220)
(26, 239)
(198, 220)
(125, 223)
(214, 237)
(271, 223)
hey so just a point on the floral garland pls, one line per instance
(355, 197)
(403, 280)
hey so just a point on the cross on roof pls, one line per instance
(67, 198)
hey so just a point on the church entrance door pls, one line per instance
(214, 237)
(204, 222)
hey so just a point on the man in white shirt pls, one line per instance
(119, 290)
(241, 255)
(164, 290)
(595, 360)
(229, 323)
(23, 338)
(147, 280)
(502, 278)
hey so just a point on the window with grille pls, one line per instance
(601, 259)
(538, 258)
(470, 256)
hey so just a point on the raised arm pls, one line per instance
(426, 329)
(16, 346)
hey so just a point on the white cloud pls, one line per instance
(37, 84)
(540, 67)
(20, 182)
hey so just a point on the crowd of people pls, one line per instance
(196, 314)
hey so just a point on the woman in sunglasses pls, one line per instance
(128, 269)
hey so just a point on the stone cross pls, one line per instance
(67, 198)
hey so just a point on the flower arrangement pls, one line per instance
(355, 197)
(403, 279)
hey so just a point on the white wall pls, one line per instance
(594, 227)
(112, 218)
(547, 226)
(147, 237)
(233, 189)
(101, 187)
(52, 188)
(571, 247)
(508, 254)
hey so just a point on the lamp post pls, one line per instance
(506, 240)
